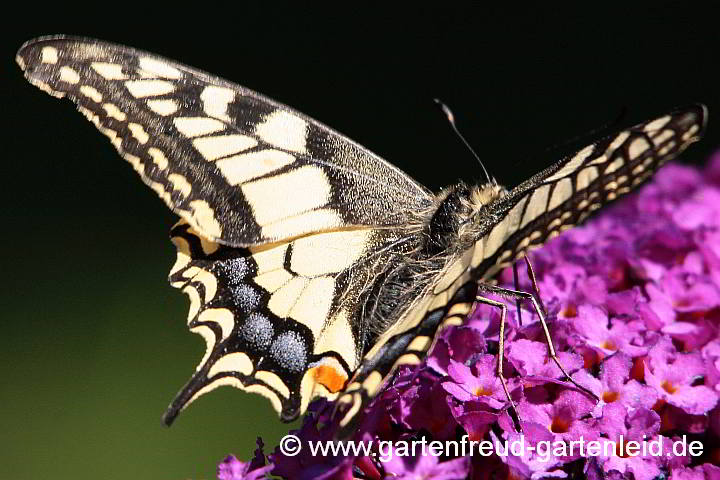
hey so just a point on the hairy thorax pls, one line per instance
(440, 234)
(452, 225)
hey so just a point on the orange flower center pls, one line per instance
(609, 345)
(482, 392)
(610, 397)
(560, 425)
(669, 387)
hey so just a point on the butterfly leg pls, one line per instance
(516, 285)
(516, 294)
(534, 285)
(501, 353)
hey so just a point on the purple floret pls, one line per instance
(233, 469)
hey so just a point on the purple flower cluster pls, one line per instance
(633, 301)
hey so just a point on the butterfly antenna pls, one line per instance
(451, 118)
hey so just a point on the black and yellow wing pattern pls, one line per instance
(240, 168)
(285, 222)
(314, 267)
(569, 191)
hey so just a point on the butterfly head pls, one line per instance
(481, 195)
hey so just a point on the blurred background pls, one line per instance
(94, 343)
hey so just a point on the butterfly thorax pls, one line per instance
(444, 232)
(451, 224)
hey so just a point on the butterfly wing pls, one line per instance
(569, 191)
(552, 201)
(279, 320)
(240, 168)
(285, 222)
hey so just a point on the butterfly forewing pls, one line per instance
(569, 191)
(240, 168)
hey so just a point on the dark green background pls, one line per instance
(94, 343)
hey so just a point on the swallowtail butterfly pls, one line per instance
(314, 267)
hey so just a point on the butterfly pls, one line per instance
(314, 268)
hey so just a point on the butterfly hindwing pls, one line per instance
(277, 319)
(240, 168)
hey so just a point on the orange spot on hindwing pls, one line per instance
(329, 377)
